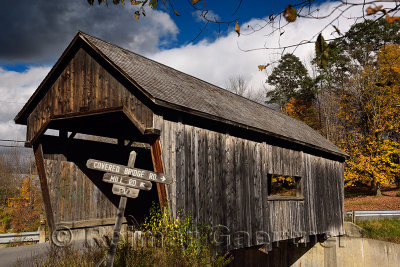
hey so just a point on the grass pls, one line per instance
(386, 229)
(127, 256)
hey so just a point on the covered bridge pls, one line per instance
(224, 152)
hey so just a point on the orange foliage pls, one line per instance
(24, 211)
(304, 111)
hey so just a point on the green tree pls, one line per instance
(362, 42)
(290, 79)
(356, 49)
(294, 90)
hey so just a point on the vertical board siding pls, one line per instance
(73, 195)
(85, 84)
(222, 180)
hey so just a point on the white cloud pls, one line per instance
(159, 30)
(15, 90)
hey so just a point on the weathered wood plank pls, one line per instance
(209, 170)
(196, 185)
(203, 157)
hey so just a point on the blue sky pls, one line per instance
(35, 33)
(225, 10)
(188, 24)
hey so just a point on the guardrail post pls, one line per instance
(353, 216)
(42, 229)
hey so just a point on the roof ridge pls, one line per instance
(159, 63)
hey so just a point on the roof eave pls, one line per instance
(165, 104)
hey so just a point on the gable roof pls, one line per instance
(171, 88)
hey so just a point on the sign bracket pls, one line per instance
(118, 221)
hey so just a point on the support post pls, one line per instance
(158, 167)
(38, 151)
(118, 221)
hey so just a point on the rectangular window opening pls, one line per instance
(284, 187)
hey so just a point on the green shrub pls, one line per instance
(184, 242)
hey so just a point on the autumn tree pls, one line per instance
(347, 59)
(369, 111)
(21, 203)
(25, 213)
(355, 49)
(8, 180)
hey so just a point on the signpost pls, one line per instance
(126, 181)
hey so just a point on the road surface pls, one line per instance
(23, 254)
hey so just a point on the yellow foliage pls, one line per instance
(370, 115)
(25, 188)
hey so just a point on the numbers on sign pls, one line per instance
(153, 176)
(132, 182)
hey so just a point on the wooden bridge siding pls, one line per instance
(85, 84)
(73, 195)
(222, 179)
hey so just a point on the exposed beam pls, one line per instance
(155, 148)
(38, 150)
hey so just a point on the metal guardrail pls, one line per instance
(375, 213)
(19, 237)
(372, 214)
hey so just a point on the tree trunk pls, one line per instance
(376, 188)
(397, 181)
